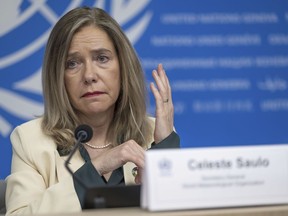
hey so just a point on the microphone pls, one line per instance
(83, 133)
(102, 196)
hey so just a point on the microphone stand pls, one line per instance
(67, 162)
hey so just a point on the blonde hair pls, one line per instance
(59, 121)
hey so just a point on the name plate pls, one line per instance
(196, 178)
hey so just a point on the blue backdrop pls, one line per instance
(227, 62)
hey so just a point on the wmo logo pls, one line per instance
(24, 29)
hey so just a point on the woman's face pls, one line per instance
(92, 74)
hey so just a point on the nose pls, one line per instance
(90, 74)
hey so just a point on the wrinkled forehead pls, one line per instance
(91, 38)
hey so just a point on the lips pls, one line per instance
(90, 94)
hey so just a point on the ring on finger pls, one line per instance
(166, 101)
(135, 171)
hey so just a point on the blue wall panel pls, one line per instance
(227, 62)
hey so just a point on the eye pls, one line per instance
(71, 64)
(102, 58)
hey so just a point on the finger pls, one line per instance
(165, 88)
(159, 82)
(116, 157)
(138, 177)
(165, 80)
(161, 88)
(160, 102)
(162, 74)
(155, 92)
(134, 153)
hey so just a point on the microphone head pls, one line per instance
(83, 133)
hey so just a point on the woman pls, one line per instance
(91, 75)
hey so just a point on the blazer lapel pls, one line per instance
(75, 163)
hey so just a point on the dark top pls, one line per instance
(91, 178)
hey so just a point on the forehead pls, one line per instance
(91, 37)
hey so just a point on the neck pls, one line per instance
(100, 126)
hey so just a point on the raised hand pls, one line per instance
(164, 106)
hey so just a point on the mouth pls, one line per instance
(91, 94)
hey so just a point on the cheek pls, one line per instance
(117, 85)
(70, 86)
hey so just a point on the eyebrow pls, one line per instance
(101, 50)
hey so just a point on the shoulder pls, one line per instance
(151, 120)
(32, 124)
(29, 135)
(29, 130)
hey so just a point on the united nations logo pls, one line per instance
(165, 167)
(24, 30)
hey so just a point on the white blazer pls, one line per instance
(39, 181)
